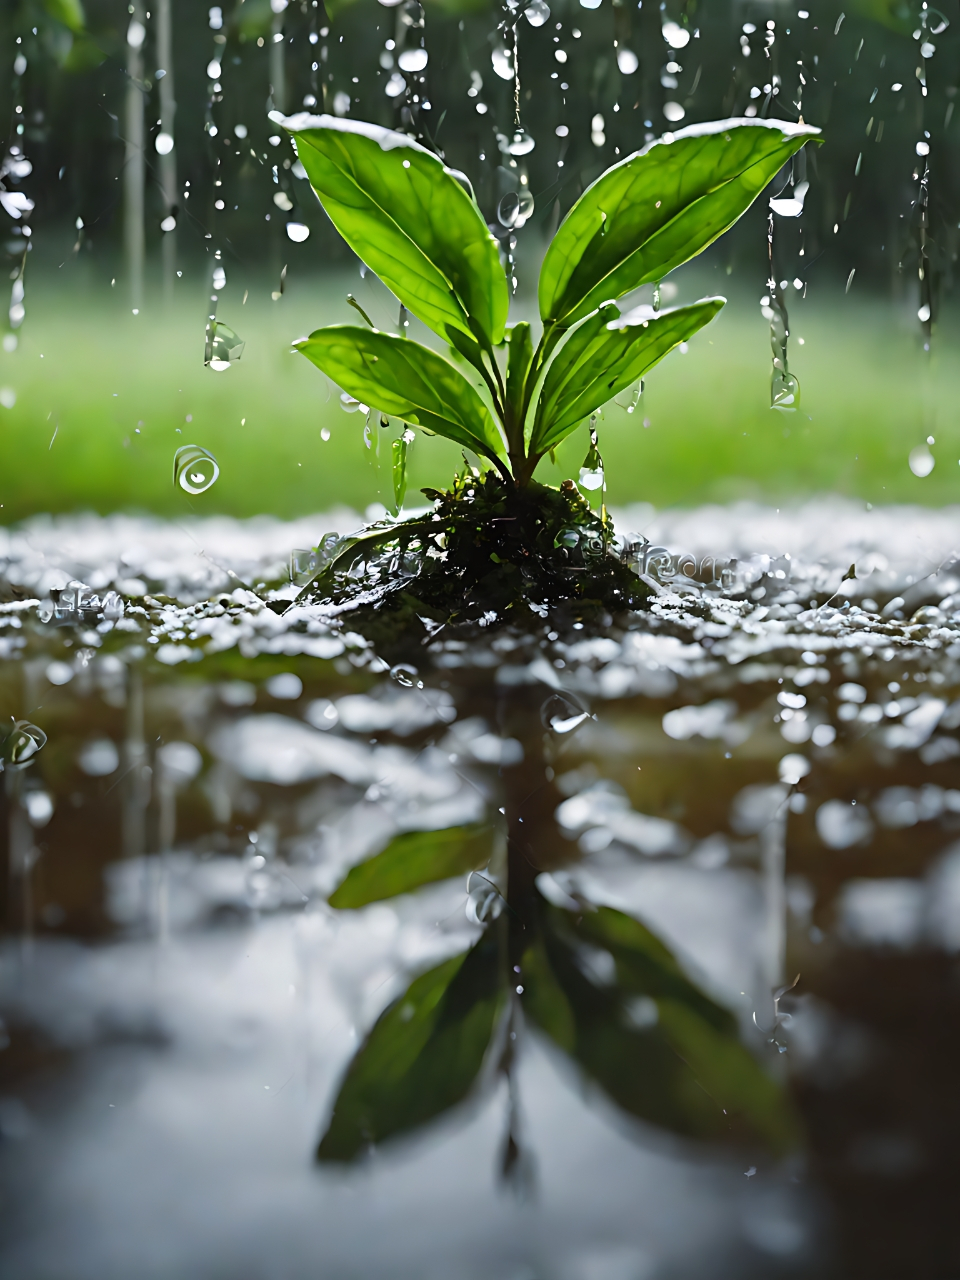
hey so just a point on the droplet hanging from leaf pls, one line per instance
(591, 472)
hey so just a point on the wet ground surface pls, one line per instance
(760, 771)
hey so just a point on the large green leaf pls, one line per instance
(611, 995)
(657, 209)
(422, 1056)
(601, 358)
(399, 376)
(413, 859)
(405, 214)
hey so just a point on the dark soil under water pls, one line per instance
(752, 757)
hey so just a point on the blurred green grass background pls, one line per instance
(104, 398)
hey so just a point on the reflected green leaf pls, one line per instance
(659, 208)
(610, 994)
(598, 361)
(399, 376)
(406, 215)
(413, 859)
(422, 1056)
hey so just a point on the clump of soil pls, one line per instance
(487, 553)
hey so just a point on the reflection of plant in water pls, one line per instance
(594, 981)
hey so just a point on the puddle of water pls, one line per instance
(637, 839)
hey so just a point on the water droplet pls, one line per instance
(784, 391)
(927, 50)
(324, 434)
(297, 232)
(399, 449)
(561, 714)
(923, 315)
(501, 59)
(21, 743)
(163, 144)
(591, 471)
(677, 37)
(219, 278)
(341, 103)
(195, 469)
(484, 901)
(521, 144)
(213, 68)
(404, 674)
(923, 148)
(347, 403)
(537, 13)
(628, 62)
(673, 111)
(223, 345)
(413, 59)
(921, 461)
(508, 210)
(395, 85)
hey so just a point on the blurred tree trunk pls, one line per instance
(134, 167)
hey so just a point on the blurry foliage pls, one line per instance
(75, 82)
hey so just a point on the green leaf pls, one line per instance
(657, 209)
(413, 859)
(611, 995)
(519, 361)
(422, 1056)
(601, 358)
(400, 377)
(405, 214)
(69, 12)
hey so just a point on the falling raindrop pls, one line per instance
(347, 402)
(508, 209)
(561, 714)
(591, 471)
(222, 347)
(21, 743)
(677, 37)
(501, 60)
(521, 144)
(628, 62)
(537, 13)
(484, 900)
(921, 461)
(413, 60)
(784, 386)
(297, 232)
(195, 469)
(400, 448)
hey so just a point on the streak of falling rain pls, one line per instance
(165, 145)
(134, 167)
